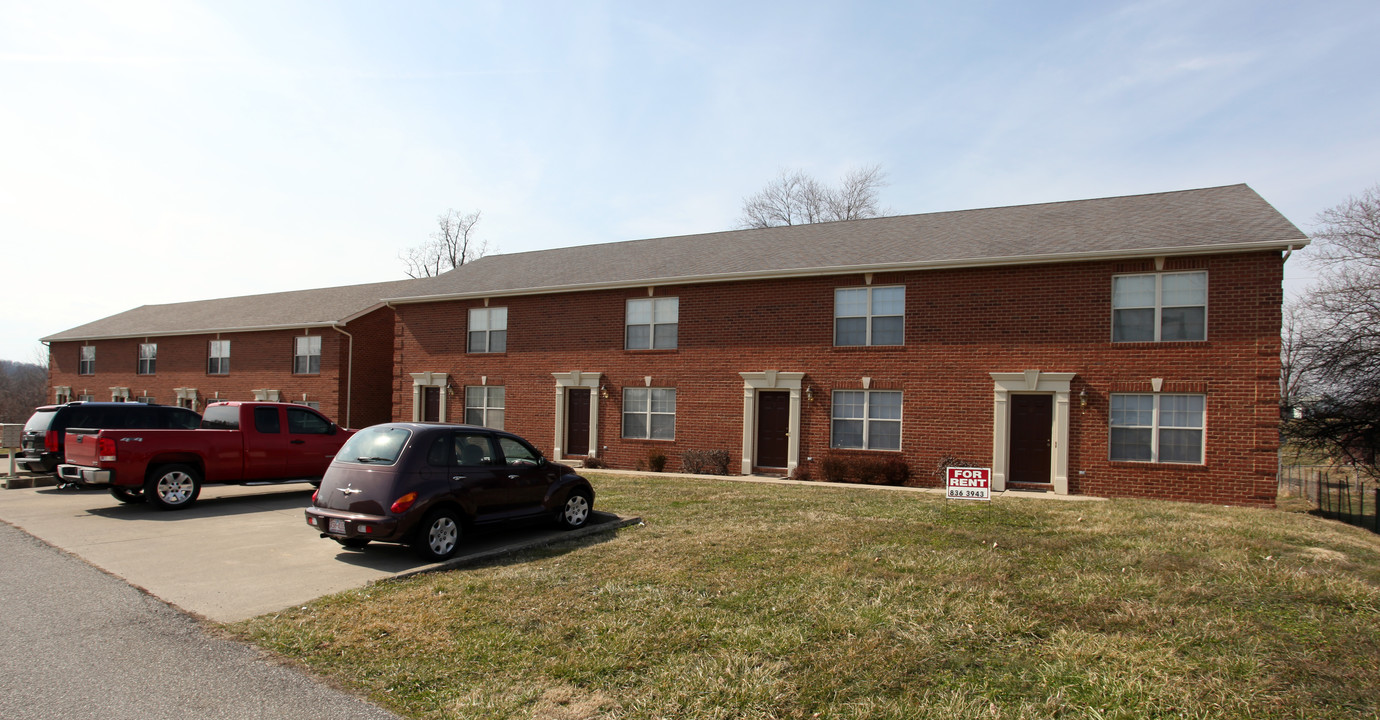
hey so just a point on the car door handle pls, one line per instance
(298, 442)
(514, 477)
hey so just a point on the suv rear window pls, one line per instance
(40, 421)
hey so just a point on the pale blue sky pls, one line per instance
(160, 152)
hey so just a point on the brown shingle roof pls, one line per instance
(1210, 220)
(1189, 221)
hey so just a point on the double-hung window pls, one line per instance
(86, 365)
(1157, 428)
(870, 316)
(488, 330)
(484, 405)
(306, 356)
(1159, 307)
(649, 413)
(867, 419)
(148, 358)
(218, 363)
(652, 324)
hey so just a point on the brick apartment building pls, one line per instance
(328, 348)
(1119, 347)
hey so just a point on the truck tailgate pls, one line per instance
(81, 447)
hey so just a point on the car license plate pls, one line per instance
(336, 526)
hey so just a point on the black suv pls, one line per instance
(44, 433)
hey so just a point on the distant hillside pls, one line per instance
(22, 388)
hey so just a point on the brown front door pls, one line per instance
(431, 404)
(577, 421)
(773, 428)
(1032, 417)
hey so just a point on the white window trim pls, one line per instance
(82, 360)
(648, 414)
(485, 409)
(866, 420)
(309, 354)
(652, 325)
(870, 315)
(223, 368)
(489, 313)
(1159, 304)
(1155, 429)
(152, 360)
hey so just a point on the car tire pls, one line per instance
(354, 543)
(173, 487)
(575, 511)
(128, 495)
(438, 537)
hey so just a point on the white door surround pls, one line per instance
(577, 379)
(770, 380)
(1032, 382)
(425, 380)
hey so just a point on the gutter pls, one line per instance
(349, 371)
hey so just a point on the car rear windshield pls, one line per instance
(374, 446)
(221, 417)
(40, 421)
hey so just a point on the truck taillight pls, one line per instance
(50, 440)
(105, 447)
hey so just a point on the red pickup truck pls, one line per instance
(238, 442)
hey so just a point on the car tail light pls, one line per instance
(105, 448)
(50, 440)
(403, 503)
(313, 496)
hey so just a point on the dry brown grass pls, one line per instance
(740, 600)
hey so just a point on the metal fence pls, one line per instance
(1340, 493)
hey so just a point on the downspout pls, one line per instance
(1287, 253)
(349, 372)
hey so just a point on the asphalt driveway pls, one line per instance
(239, 551)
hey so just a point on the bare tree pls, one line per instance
(452, 245)
(23, 387)
(795, 198)
(1339, 339)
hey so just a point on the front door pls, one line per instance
(431, 404)
(1032, 419)
(577, 421)
(773, 428)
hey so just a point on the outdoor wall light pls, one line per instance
(810, 394)
(604, 391)
(1083, 397)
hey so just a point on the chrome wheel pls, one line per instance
(173, 487)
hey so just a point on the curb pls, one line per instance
(617, 523)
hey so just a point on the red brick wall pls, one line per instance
(258, 360)
(960, 325)
(371, 401)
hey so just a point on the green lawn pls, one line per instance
(743, 600)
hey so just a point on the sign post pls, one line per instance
(965, 483)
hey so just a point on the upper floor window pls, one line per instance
(306, 357)
(649, 413)
(1157, 428)
(870, 316)
(219, 361)
(148, 358)
(652, 324)
(484, 405)
(867, 419)
(86, 365)
(1159, 307)
(488, 330)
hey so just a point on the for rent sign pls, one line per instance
(969, 483)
